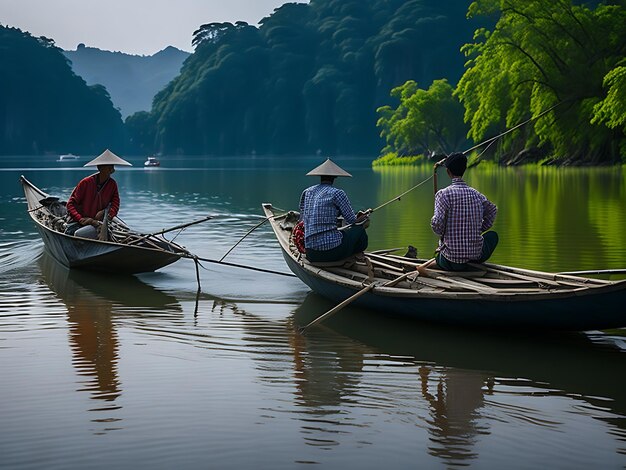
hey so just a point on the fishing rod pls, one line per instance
(533, 118)
(177, 227)
(489, 142)
(400, 196)
(265, 219)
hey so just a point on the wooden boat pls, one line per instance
(491, 296)
(124, 252)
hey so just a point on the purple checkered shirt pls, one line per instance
(461, 215)
(319, 207)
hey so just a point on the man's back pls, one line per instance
(461, 215)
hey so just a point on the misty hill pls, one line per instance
(131, 80)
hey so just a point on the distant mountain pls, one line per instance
(131, 80)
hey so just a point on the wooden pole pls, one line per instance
(595, 271)
(355, 296)
(422, 267)
(335, 309)
(235, 265)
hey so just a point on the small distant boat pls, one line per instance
(68, 157)
(152, 161)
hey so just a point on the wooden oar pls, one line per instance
(422, 267)
(104, 226)
(355, 296)
(335, 309)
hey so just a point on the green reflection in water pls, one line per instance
(548, 218)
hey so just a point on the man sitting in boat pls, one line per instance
(93, 194)
(320, 205)
(461, 216)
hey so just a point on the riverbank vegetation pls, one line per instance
(406, 78)
(541, 55)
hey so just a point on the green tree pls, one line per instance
(611, 111)
(542, 53)
(425, 120)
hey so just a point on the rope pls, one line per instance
(234, 265)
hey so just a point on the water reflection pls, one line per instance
(325, 370)
(456, 372)
(93, 301)
(455, 397)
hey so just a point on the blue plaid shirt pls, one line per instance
(320, 205)
(461, 215)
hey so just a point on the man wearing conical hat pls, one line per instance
(320, 205)
(92, 195)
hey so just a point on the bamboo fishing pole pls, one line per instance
(487, 142)
(250, 231)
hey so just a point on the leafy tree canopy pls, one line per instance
(309, 78)
(543, 53)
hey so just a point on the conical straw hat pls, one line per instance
(328, 168)
(108, 158)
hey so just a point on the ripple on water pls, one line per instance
(19, 254)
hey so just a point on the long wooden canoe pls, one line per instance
(125, 252)
(491, 296)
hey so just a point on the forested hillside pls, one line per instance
(45, 107)
(560, 65)
(352, 77)
(131, 80)
(308, 79)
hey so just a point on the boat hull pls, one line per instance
(95, 255)
(593, 310)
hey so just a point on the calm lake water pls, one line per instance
(106, 372)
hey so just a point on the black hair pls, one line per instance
(456, 163)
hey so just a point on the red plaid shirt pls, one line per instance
(87, 198)
(461, 215)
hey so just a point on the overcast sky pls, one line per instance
(132, 26)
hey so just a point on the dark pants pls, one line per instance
(354, 241)
(490, 241)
